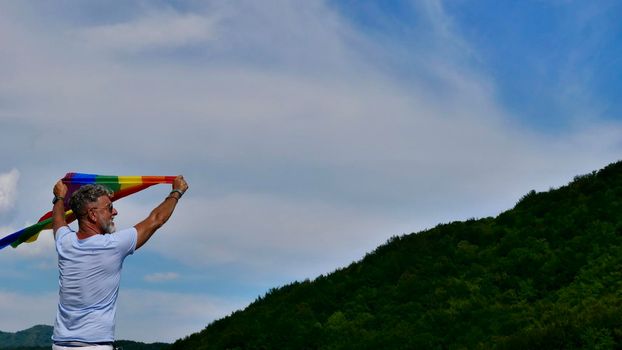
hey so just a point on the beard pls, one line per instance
(108, 227)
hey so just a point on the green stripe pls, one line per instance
(112, 182)
(31, 231)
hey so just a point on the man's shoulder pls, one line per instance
(130, 229)
(126, 231)
(62, 231)
(126, 237)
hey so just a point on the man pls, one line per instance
(90, 262)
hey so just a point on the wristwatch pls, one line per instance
(57, 198)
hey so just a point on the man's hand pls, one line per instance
(60, 189)
(180, 184)
(58, 211)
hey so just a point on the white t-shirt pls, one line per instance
(89, 278)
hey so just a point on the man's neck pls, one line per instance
(87, 229)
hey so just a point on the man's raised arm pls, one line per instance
(161, 213)
(58, 211)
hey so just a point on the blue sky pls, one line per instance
(309, 132)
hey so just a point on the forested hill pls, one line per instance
(39, 337)
(546, 274)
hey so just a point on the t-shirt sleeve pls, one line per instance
(61, 233)
(63, 230)
(127, 240)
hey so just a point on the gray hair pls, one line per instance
(85, 195)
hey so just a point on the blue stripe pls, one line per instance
(10, 238)
(83, 179)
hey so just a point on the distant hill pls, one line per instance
(546, 274)
(38, 335)
(39, 338)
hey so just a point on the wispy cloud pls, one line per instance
(140, 312)
(8, 189)
(161, 277)
(24, 310)
(173, 315)
(153, 31)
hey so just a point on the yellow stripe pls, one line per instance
(129, 181)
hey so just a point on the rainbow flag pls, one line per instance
(121, 186)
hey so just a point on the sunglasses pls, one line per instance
(109, 207)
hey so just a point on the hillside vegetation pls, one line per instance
(39, 338)
(545, 275)
(38, 335)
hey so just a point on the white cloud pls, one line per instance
(151, 316)
(43, 248)
(142, 315)
(24, 310)
(8, 189)
(264, 235)
(157, 30)
(161, 277)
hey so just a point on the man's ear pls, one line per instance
(91, 215)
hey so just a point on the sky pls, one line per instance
(309, 132)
